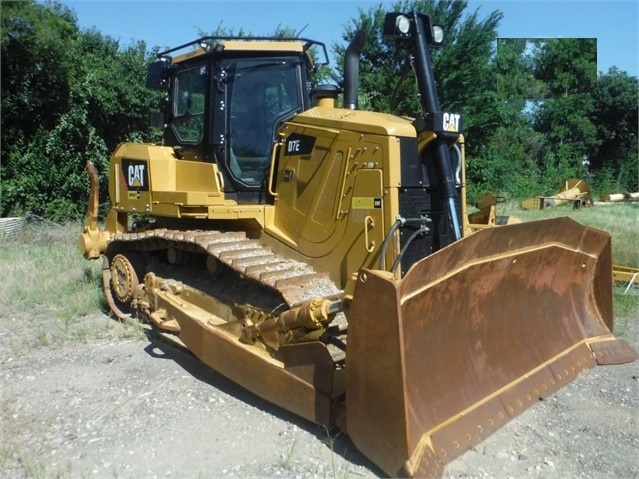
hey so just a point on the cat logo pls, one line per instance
(441, 122)
(451, 122)
(136, 175)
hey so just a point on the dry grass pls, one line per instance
(620, 220)
(48, 287)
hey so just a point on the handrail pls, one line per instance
(271, 172)
(370, 246)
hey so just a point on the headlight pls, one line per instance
(406, 26)
(402, 24)
(398, 24)
(438, 34)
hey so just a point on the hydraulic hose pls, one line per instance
(422, 230)
(382, 255)
(400, 222)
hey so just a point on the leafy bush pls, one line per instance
(67, 96)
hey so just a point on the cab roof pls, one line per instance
(206, 45)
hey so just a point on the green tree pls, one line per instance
(37, 58)
(509, 163)
(515, 70)
(466, 81)
(566, 117)
(616, 119)
(67, 96)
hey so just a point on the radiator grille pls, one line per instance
(419, 202)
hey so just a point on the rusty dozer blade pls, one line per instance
(473, 335)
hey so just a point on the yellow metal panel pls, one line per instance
(160, 160)
(308, 190)
(363, 203)
(325, 208)
(192, 54)
(274, 46)
(243, 46)
(625, 274)
(359, 120)
(532, 204)
(184, 198)
(366, 216)
(368, 185)
(196, 176)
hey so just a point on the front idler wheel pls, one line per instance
(120, 279)
(124, 279)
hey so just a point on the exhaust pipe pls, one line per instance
(351, 70)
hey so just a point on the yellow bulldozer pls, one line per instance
(321, 256)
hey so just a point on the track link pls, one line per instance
(295, 281)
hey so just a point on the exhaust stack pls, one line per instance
(351, 70)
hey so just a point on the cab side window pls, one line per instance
(188, 105)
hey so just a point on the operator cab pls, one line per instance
(227, 100)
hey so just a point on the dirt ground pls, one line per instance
(142, 408)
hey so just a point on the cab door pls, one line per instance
(259, 95)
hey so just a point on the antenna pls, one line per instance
(300, 32)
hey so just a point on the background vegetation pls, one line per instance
(536, 112)
(50, 295)
(67, 96)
